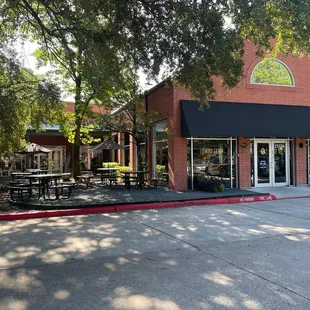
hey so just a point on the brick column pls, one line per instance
(132, 153)
(300, 161)
(244, 163)
(177, 163)
(177, 146)
(121, 153)
(150, 151)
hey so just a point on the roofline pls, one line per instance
(160, 84)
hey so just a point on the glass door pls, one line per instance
(280, 163)
(262, 159)
(271, 163)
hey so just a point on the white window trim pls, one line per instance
(282, 63)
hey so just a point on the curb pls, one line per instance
(133, 207)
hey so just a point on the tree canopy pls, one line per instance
(25, 100)
(94, 43)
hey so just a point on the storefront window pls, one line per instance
(160, 148)
(213, 158)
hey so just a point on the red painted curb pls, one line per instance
(133, 207)
(58, 213)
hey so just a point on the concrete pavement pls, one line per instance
(248, 256)
(284, 192)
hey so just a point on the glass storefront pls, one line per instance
(271, 163)
(160, 147)
(212, 158)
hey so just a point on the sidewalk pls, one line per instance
(286, 192)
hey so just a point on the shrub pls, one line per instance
(123, 168)
(110, 165)
(210, 184)
(160, 168)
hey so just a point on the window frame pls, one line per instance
(278, 85)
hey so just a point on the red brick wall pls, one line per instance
(244, 163)
(166, 101)
(51, 140)
(246, 92)
(300, 161)
(177, 146)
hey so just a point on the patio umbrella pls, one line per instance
(107, 145)
(32, 148)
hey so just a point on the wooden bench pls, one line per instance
(59, 190)
(20, 190)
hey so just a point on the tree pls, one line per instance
(25, 100)
(189, 40)
(132, 119)
(74, 40)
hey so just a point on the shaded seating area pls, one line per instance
(114, 177)
(48, 186)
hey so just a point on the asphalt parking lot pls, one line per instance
(244, 256)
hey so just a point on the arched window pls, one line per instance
(272, 72)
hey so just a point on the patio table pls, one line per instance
(37, 171)
(21, 175)
(107, 173)
(134, 177)
(44, 180)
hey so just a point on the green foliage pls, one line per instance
(97, 45)
(286, 21)
(222, 188)
(160, 168)
(110, 165)
(270, 71)
(124, 168)
(26, 100)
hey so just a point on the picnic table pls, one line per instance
(86, 179)
(136, 177)
(108, 174)
(21, 175)
(50, 181)
(37, 171)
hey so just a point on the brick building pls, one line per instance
(60, 159)
(256, 135)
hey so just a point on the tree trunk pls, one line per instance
(140, 163)
(78, 124)
(76, 149)
(76, 158)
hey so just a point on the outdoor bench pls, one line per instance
(113, 180)
(59, 190)
(137, 181)
(86, 179)
(154, 182)
(20, 190)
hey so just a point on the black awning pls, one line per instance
(231, 119)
